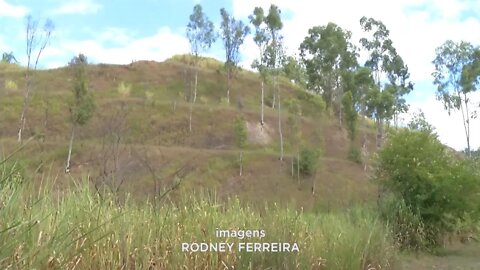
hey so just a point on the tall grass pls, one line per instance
(78, 229)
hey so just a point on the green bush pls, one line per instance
(431, 181)
(308, 161)
(354, 154)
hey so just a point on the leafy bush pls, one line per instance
(354, 154)
(432, 182)
(11, 85)
(308, 161)
(124, 89)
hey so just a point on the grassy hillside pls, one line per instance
(139, 142)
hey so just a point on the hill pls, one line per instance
(139, 142)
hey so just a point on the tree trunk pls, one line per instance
(380, 132)
(280, 127)
(25, 107)
(190, 109)
(293, 159)
(190, 117)
(195, 88)
(262, 121)
(241, 162)
(67, 166)
(466, 122)
(298, 165)
(228, 85)
(274, 89)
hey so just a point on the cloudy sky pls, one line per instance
(119, 31)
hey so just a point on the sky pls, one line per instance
(122, 31)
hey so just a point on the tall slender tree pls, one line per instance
(261, 39)
(274, 51)
(388, 67)
(233, 33)
(36, 43)
(82, 105)
(274, 58)
(451, 62)
(201, 35)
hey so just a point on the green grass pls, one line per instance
(41, 229)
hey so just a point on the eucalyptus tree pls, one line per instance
(9, 58)
(456, 77)
(82, 105)
(385, 64)
(233, 33)
(201, 35)
(274, 53)
(261, 39)
(36, 44)
(329, 57)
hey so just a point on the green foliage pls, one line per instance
(354, 154)
(78, 228)
(12, 175)
(83, 105)
(384, 58)
(200, 31)
(327, 52)
(9, 58)
(451, 59)
(240, 127)
(433, 183)
(233, 33)
(408, 229)
(419, 122)
(10, 85)
(295, 70)
(308, 161)
(379, 104)
(124, 89)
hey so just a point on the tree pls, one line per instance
(9, 58)
(233, 34)
(363, 84)
(241, 138)
(201, 35)
(82, 106)
(33, 40)
(295, 71)
(328, 56)
(350, 114)
(451, 62)
(274, 55)
(293, 123)
(261, 39)
(384, 61)
(274, 50)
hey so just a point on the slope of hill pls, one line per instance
(139, 140)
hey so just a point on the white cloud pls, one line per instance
(158, 47)
(77, 7)
(10, 10)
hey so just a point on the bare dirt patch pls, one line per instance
(258, 134)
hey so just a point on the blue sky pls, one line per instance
(119, 31)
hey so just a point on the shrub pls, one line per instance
(308, 161)
(124, 89)
(10, 85)
(431, 182)
(354, 154)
